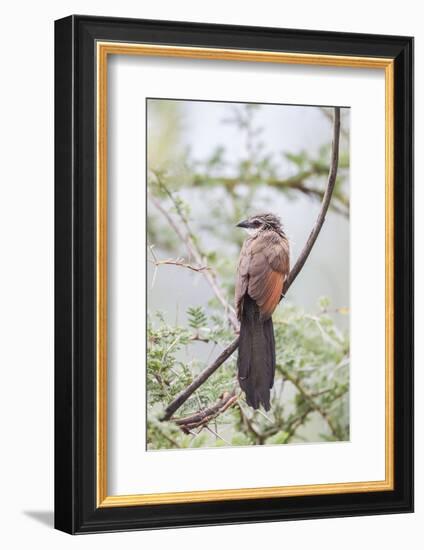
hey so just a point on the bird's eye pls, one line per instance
(256, 223)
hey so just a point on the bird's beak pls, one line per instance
(244, 223)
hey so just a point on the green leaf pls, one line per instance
(278, 439)
(196, 317)
(324, 302)
(240, 439)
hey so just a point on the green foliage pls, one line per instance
(196, 317)
(310, 395)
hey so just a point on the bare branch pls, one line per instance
(179, 262)
(203, 417)
(229, 350)
(171, 261)
(328, 115)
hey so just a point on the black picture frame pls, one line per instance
(76, 510)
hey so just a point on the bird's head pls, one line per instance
(261, 221)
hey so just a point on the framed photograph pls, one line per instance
(234, 274)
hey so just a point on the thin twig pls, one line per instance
(180, 262)
(259, 412)
(171, 261)
(216, 434)
(230, 349)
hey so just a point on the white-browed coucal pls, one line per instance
(263, 267)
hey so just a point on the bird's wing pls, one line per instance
(268, 267)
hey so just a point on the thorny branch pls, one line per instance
(180, 262)
(204, 416)
(230, 349)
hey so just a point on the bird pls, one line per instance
(263, 267)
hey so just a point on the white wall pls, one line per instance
(26, 275)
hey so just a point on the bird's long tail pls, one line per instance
(256, 356)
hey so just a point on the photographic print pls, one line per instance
(233, 224)
(234, 356)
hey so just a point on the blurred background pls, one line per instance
(210, 165)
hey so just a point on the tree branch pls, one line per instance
(199, 380)
(203, 417)
(181, 263)
(327, 113)
(295, 183)
(229, 350)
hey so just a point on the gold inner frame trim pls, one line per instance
(104, 49)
